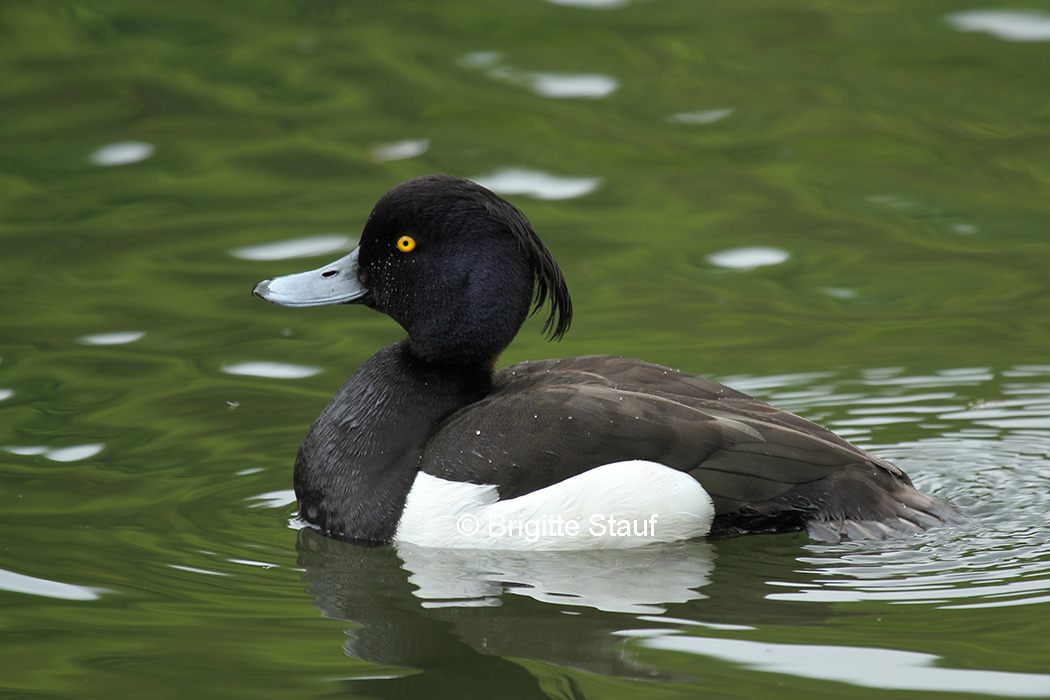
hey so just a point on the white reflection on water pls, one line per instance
(748, 258)
(563, 85)
(870, 667)
(545, 84)
(274, 499)
(956, 376)
(20, 583)
(73, 453)
(839, 292)
(1009, 25)
(591, 4)
(273, 370)
(122, 153)
(400, 150)
(296, 248)
(512, 181)
(1005, 414)
(481, 59)
(116, 338)
(707, 116)
(638, 581)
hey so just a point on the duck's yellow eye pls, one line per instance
(406, 244)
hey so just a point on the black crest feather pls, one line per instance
(550, 282)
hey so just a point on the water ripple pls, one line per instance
(989, 456)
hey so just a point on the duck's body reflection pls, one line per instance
(461, 615)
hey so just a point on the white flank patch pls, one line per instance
(624, 504)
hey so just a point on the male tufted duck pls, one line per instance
(428, 443)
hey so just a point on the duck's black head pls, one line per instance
(456, 265)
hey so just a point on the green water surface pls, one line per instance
(843, 208)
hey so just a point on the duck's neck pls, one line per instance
(360, 457)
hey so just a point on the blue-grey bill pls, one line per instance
(335, 283)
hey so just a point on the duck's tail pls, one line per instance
(911, 513)
(863, 501)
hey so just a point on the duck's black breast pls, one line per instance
(357, 462)
(764, 468)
